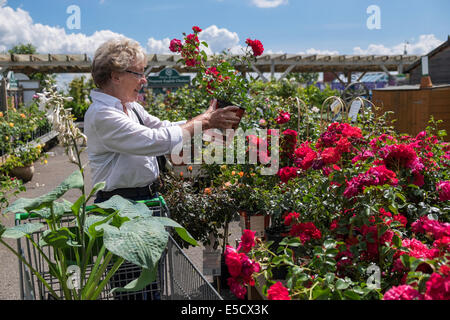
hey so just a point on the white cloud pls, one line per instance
(3, 3)
(269, 3)
(319, 52)
(158, 46)
(16, 26)
(425, 44)
(220, 39)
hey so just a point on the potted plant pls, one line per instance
(20, 163)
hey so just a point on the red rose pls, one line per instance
(247, 241)
(443, 188)
(288, 219)
(331, 155)
(256, 46)
(278, 292)
(233, 261)
(196, 29)
(283, 117)
(175, 45)
(287, 173)
(404, 292)
(237, 288)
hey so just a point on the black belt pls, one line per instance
(148, 191)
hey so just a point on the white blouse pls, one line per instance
(121, 151)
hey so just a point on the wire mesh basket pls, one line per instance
(177, 277)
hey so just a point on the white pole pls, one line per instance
(425, 65)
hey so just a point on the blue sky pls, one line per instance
(290, 26)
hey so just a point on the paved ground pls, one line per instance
(47, 177)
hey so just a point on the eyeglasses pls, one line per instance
(137, 74)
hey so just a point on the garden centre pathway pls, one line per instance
(46, 178)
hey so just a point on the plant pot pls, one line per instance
(224, 274)
(239, 113)
(255, 222)
(23, 173)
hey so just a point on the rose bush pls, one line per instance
(360, 198)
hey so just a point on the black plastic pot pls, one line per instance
(276, 234)
(224, 274)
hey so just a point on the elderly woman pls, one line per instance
(123, 139)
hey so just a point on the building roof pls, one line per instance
(436, 50)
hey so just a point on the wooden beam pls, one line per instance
(362, 75)
(272, 70)
(264, 79)
(337, 77)
(285, 73)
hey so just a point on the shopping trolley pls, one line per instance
(177, 277)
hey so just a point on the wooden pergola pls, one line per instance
(268, 63)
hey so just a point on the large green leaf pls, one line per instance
(94, 221)
(146, 277)
(139, 241)
(125, 207)
(23, 205)
(61, 238)
(21, 230)
(19, 206)
(75, 180)
(182, 232)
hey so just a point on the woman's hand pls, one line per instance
(224, 118)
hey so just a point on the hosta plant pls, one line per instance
(96, 241)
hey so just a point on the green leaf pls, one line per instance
(341, 284)
(75, 180)
(397, 241)
(329, 243)
(61, 238)
(94, 221)
(98, 186)
(329, 277)
(146, 277)
(350, 294)
(75, 208)
(181, 231)
(138, 241)
(320, 293)
(21, 230)
(59, 209)
(19, 206)
(125, 207)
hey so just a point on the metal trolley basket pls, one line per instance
(177, 277)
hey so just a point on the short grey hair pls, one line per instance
(115, 55)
